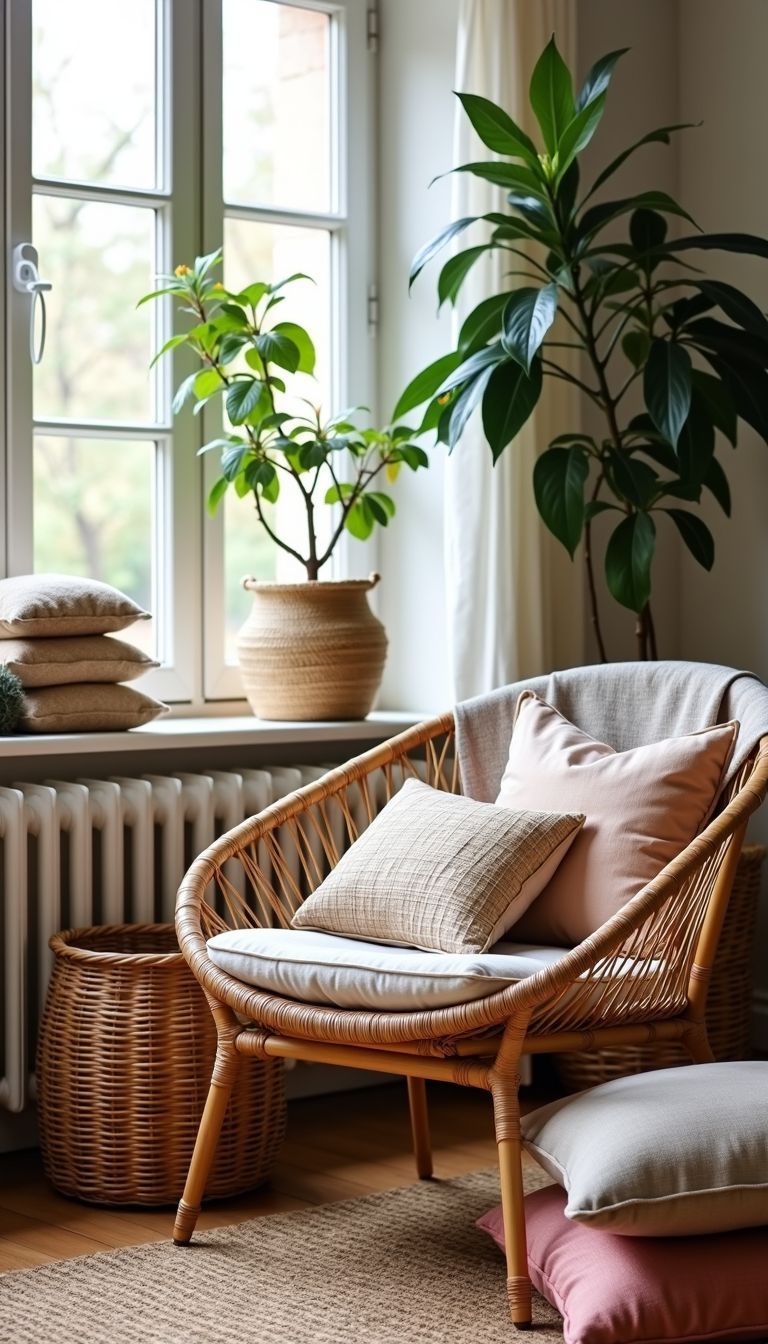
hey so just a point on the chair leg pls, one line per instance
(696, 1042)
(225, 1072)
(422, 1146)
(509, 1144)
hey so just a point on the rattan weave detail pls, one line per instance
(729, 1002)
(126, 1048)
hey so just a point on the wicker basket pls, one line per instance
(729, 1003)
(126, 1049)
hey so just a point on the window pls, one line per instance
(111, 180)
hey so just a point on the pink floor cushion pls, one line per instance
(641, 1290)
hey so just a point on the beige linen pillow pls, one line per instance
(439, 872)
(69, 659)
(90, 707)
(673, 1153)
(60, 604)
(643, 807)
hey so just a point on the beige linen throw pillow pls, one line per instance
(90, 707)
(439, 872)
(69, 659)
(62, 604)
(642, 807)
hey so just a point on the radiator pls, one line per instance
(102, 851)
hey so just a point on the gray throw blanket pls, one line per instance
(624, 704)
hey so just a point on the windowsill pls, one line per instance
(244, 730)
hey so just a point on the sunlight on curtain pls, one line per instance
(500, 609)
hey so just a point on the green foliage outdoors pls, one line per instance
(327, 462)
(632, 304)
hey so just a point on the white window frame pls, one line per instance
(189, 559)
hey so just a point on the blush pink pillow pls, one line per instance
(612, 1290)
(642, 808)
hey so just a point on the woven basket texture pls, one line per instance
(126, 1049)
(311, 650)
(729, 1002)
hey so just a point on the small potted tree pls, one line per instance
(311, 650)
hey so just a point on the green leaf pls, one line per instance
(169, 345)
(659, 136)
(634, 480)
(748, 390)
(598, 78)
(716, 482)
(559, 477)
(537, 213)
(509, 175)
(596, 506)
(749, 243)
(596, 218)
(425, 384)
(159, 293)
(381, 506)
(551, 95)
(455, 271)
(277, 349)
(696, 445)
(647, 229)
(497, 130)
(360, 521)
(736, 305)
(483, 324)
(682, 311)
(735, 346)
(717, 402)
(667, 387)
(253, 294)
(232, 459)
(461, 409)
(229, 347)
(527, 318)
(472, 366)
(696, 536)
(337, 494)
(183, 393)
(242, 398)
(303, 342)
(431, 249)
(235, 315)
(216, 495)
(207, 382)
(413, 456)
(510, 397)
(628, 560)
(636, 345)
(578, 133)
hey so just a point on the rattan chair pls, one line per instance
(259, 873)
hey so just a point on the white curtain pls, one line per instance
(497, 554)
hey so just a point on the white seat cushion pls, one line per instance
(348, 973)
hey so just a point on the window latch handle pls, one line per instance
(27, 280)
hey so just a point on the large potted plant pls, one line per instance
(311, 650)
(605, 277)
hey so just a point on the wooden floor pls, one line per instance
(337, 1147)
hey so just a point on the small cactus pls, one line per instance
(11, 702)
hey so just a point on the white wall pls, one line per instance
(417, 53)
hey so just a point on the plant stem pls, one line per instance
(594, 612)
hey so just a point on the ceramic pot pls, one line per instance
(311, 650)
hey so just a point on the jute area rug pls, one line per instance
(403, 1267)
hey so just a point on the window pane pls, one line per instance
(93, 504)
(100, 259)
(272, 252)
(247, 551)
(276, 109)
(93, 78)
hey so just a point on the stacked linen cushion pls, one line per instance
(661, 1229)
(56, 637)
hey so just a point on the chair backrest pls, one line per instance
(624, 704)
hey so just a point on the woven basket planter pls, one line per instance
(126, 1050)
(729, 1002)
(311, 650)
